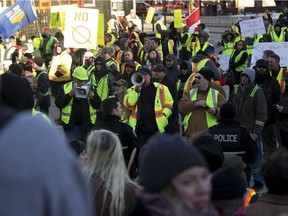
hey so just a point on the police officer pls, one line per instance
(232, 136)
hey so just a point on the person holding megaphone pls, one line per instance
(150, 103)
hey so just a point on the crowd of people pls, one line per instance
(152, 129)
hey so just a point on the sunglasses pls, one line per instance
(98, 64)
(198, 77)
(262, 67)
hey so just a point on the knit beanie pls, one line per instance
(184, 65)
(227, 111)
(211, 150)
(206, 73)
(163, 157)
(227, 184)
(210, 49)
(16, 69)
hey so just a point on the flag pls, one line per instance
(193, 20)
(18, 15)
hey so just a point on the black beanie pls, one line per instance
(206, 73)
(211, 150)
(183, 65)
(227, 184)
(227, 111)
(16, 69)
(163, 157)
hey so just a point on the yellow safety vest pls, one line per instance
(187, 43)
(42, 115)
(211, 101)
(66, 111)
(228, 48)
(101, 86)
(162, 107)
(280, 79)
(238, 57)
(163, 28)
(276, 38)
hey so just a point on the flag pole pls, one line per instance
(37, 24)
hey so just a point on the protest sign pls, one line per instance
(252, 26)
(223, 60)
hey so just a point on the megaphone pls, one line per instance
(137, 79)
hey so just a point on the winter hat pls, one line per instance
(170, 57)
(144, 70)
(160, 67)
(164, 157)
(261, 62)
(121, 82)
(184, 65)
(250, 73)
(227, 111)
(78, 146)
(38, 61)
(211, 150)
(16, 69)
(117, 43)
(206, 73)
(160, 16)
(227, 184)
(210, 49)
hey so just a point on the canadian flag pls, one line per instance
(193, 20)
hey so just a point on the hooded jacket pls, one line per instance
(173, 72)
(250, 102)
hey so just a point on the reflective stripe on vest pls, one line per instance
(211, 101)
(66, 111)
(248, 196)
(90, 70)
(101, 86)
(197, 66)
(189, 83)
(159, 105)
(163, 28)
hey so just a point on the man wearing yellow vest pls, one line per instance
(160, 26)
(276, 71)
(201, 105)
(184, 44)
(78, 106)
(151, 104)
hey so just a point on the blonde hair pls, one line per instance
(105, 165)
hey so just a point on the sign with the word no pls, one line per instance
(81, 27)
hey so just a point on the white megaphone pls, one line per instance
(137, 79)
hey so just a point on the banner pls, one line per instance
(252, 26)
(177, 18)
(223, 60)
(280, 48)
(100, 34)
(15, 17)
(81, 28)
(193, 20)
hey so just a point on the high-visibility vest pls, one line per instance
(280, 79)
(112, 61)
(276, 38)
(211, 101)
(118, 58)
(42, 115)
(90, 70)
(198, 47)
(228, 48)
(142, 56)
(238, 57)
(101, 86)
(66, 111)
(197, 66)
(137, 66)
(249, 194)
(48, 49)
(162, 107)
(187, 43)
(163, 28)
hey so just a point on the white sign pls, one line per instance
(279, 48)
(81, 28)
(252, 26)
(223, 60)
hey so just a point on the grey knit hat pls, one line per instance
(163, 157)
(250, 73)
